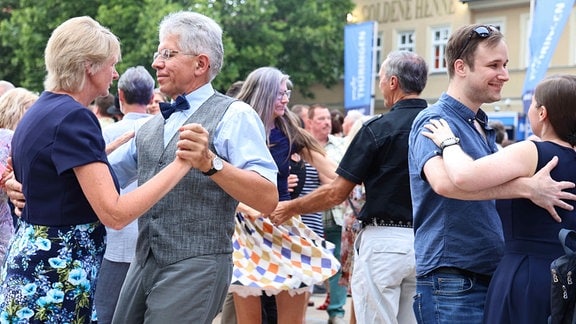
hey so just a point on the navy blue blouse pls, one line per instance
(56, 135)
(280, 150)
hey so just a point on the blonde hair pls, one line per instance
(78, 44)
(13, 105)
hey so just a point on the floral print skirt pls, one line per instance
(49, 275)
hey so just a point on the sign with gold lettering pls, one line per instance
(390, 11)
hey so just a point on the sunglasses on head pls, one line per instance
(480, 31)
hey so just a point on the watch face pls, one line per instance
(217, 163)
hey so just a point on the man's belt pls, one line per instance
(386, 222)
(484, 279)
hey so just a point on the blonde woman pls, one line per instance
(13, 104)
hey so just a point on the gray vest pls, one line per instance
(197, 216)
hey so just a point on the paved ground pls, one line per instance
(314, 316)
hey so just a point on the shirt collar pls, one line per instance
(462, 110)
(197, 97)
(410, 103)
(135, 115)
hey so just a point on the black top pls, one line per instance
(299, 169)
(378, 157)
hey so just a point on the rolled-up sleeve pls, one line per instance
(240, 139)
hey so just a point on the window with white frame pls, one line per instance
(406, 41)
(440, 37)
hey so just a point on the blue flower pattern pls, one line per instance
(49, 275)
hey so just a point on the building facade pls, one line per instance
(424, 26)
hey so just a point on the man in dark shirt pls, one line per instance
(383, 281)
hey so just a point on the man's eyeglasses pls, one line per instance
(480, 31)
(166, 54)
(286, 93)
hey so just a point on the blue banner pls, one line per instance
(359, 66)
(548, 20)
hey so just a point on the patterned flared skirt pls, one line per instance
(271, 259)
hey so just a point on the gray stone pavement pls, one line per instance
(314, 316)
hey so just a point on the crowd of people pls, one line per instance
(134, 208)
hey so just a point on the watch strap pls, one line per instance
(449, 142)
(216, 166)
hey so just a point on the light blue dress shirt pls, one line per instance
(113, 131)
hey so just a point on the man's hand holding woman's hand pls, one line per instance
(193, 147)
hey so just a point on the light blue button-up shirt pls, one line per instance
(239, 138)
(113, 131)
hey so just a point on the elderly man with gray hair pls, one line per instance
(183, 262)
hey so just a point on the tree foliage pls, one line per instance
(302, 38)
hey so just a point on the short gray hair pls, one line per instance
(410, 69)
(137, 85)
(197, 34)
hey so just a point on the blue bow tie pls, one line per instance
(179, 104)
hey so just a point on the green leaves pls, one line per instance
(302, 38)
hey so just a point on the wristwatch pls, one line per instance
(449, 142)
(217, 165)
